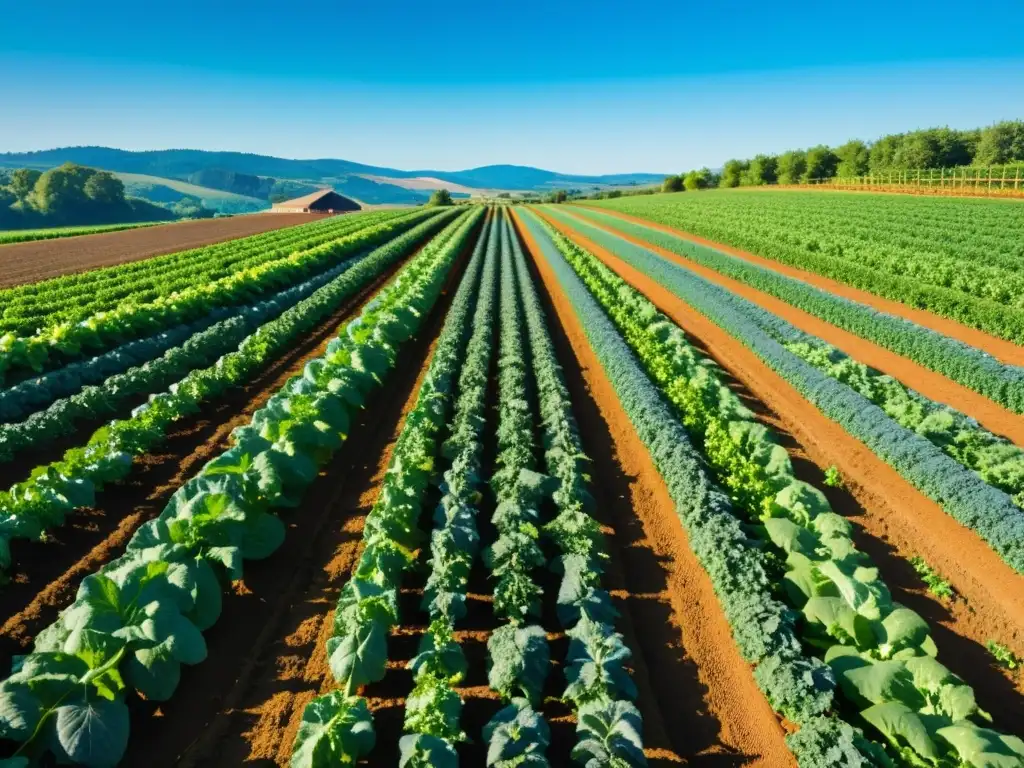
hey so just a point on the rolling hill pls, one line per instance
(367, 183)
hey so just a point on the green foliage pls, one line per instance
(1001, 143)
(833, 478)
(1003, 655)
(937, 585)
(335, 730)
(672, 184)
(792, 167)
(558, 196)
(440, 197)
(764, 169)
(700, 179)
(23, 183)
(733, 172)
(822, 163)
(853, 157)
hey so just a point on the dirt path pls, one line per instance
(46, 575)
(993, 417)
(42, 259)
(1001, 349)
(896, 521)
(702, 690)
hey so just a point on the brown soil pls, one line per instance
(1001, 349)
(46, 575)
(41, 259)
(245, 705)
(935, 386)
(896, 521)
(696, 692)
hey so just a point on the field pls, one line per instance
(153, 188)
(42, 259)
(706, 478)
(27, 235)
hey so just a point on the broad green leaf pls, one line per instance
(334, 731)
(93, 733)
(983, 748)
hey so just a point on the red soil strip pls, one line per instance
(726, 713)
(1001, 349)
(42, 259)
(935, 386)
(898, 521)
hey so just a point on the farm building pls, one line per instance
(321, 201)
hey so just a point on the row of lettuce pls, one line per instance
(973, 475)
(89, 330)
(832, 651)
(966, 365)
(52, 490)
(136, 621)
(76, 296)
(444, 436)
(957, 258)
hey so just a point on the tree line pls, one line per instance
(999, 144)
(77, 195)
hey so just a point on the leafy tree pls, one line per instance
(558, 196)
(732, 173)
(23, 182)
(883, 152)
(613, 193)
(792, 166)
(440, 197)
(821, 162)
(190, 207)
(853, 159)
(672, 184)
(104, 187)
(701, 179)
(1001, 143)
(61, 191)
(7, 197)
(763, 170)
(504, 196)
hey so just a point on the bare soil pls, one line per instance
(894, 520)
(935, 386)
(42, 259)
(1001, 349)
(697, 687)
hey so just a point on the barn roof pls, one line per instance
(307, 200)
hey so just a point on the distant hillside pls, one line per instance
(344, 175)
(162, 190)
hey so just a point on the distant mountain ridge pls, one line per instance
(183, 163)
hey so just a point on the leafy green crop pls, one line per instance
(880, 653)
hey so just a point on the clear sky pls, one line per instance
(578, 87)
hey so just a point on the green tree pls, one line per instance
(104, 187)
(883, 153)
(701, 179)
(1001, 143)
(763, 170)
(190, 207)
(23, 182)
(60, 191)
(853, 159)
(672, 184)
(440, 197)
(792, 166)
(821, 163)
(558, 196)
(732, 172)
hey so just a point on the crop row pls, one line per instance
(135, 622)
(963, 364)
(337, 727)
(878, 655)
(72, 297)
(960, 491)
(51, 491)
(67, 340)
(988, 295)
(28, 235)
(223, 331)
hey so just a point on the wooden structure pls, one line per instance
(321, 201)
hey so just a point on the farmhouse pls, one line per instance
(321, 201)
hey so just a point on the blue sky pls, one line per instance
(582, 87)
